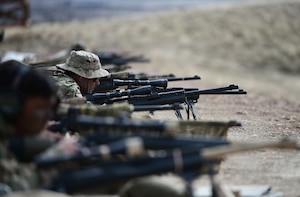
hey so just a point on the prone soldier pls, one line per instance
(80, 74)
(27, 100)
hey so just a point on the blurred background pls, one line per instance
(253, 43)
(42, 10)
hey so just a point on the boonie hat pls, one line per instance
(84, 64)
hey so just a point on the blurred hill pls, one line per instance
(255, 45)
(68, 10)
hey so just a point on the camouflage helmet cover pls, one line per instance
(84, 64)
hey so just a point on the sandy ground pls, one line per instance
(263, 119)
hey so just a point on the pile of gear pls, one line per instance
(91, 144)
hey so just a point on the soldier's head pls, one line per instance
(85, 68)
(27, 97)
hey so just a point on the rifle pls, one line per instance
(113, 68)
(180, 95)
(111, 84)
(111, 58)
(178, 160)
(101, 98)
(180, 139)
(111, 110)
(194, 93)
(193, 96)
(141, 76)
(81, 123)
(107, 84)
(66, 114)
(144, 76)
(177, 95)
(164, 96)
(129, 146)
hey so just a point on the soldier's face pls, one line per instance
(87, 86)
(36, 113)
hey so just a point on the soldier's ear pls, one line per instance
(78, 77)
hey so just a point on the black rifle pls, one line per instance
(81, 123)
(121, 144)
(160, 98)
(65, 112)
(101, 98)
(113, 68)
(117, 143)
(107, 84)
(179, 160)
(192, 95)
(142, 76)
(181, 95)
(152, 108)
(111, 58)
(189, 97)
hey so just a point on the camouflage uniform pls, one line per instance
(24, 176)
(68, 87)
(17, 176)
(81, 63)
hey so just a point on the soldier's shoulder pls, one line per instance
(64, 80)
(59, 74)
(17, 176)
(68, 87)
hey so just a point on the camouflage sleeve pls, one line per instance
(69, 88)
(70, 91)
(18, 176)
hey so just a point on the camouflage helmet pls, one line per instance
(84, 64)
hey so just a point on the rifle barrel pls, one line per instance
(158, 107)
(196, 77)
